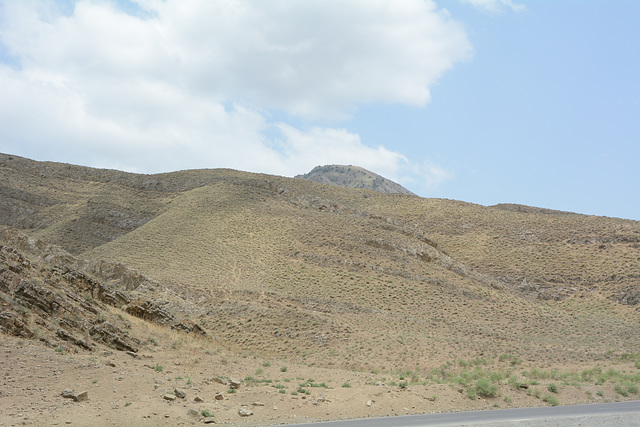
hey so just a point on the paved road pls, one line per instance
(600, 414)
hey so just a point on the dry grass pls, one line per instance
(350, 278)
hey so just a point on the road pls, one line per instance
(597, 415)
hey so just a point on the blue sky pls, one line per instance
(485, 101)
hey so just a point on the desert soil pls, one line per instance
(129, 390)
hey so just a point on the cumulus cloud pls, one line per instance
(186, 84)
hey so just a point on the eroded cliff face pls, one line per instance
(48, 295)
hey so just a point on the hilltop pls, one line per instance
(353, 177)
(349, 283)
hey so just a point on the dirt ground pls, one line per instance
(129, 390)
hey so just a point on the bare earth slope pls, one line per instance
(338, 278)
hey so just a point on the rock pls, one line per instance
(234, 383)
(169, 397)
(193, 413)
(209, 420)
(245, 412)
(219, 396)
(132, 354)
(151, 311)
(12, 324)
(198, 399)
(258, 404)
(180, 393)
(113, 337)
(189, 327)
(77, 397)
(369, 402)
(220, 380)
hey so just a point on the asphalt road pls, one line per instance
(600, 415)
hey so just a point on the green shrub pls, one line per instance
(206, 413)
(550, 399)
(484, 388)
(553, 388)
(619, 388)
(283, 369)
(631, 388)
(346, 384)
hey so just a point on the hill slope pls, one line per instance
(353, 177)
(347, 277)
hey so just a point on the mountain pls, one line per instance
(353, 177)
(314, 276)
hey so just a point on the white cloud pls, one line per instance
(496, 5)
(191, 84)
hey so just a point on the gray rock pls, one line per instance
(198, 399)
(193, 413)
(169, 397)
(245, 412)
(209, 420)
(180, 393)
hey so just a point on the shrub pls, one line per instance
(346, 385)
(158, 368)
(550, 399)
(283, 369)
(206, 413)
(619, 388)
(553, 388)
(484, 388)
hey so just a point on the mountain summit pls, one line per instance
(353, 177)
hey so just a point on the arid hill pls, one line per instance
(353, 177)
(312, 274)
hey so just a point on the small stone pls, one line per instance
(193, 413)
(169, 397)
(245, 412)
(68, 422)
(258, 404)
(219, 396)
(369, 402)
(234, 383)
(209, 420)
(67, 393)
(198, 399)
(132, 354)
(180, 393)
(80, 397)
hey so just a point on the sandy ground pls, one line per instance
(129, 391)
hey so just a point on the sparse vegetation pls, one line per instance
(522, 305)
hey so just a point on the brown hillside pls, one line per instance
(347, 277)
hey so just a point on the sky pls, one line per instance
(484, 101)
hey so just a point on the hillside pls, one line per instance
(353, 177)
(329, 277)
